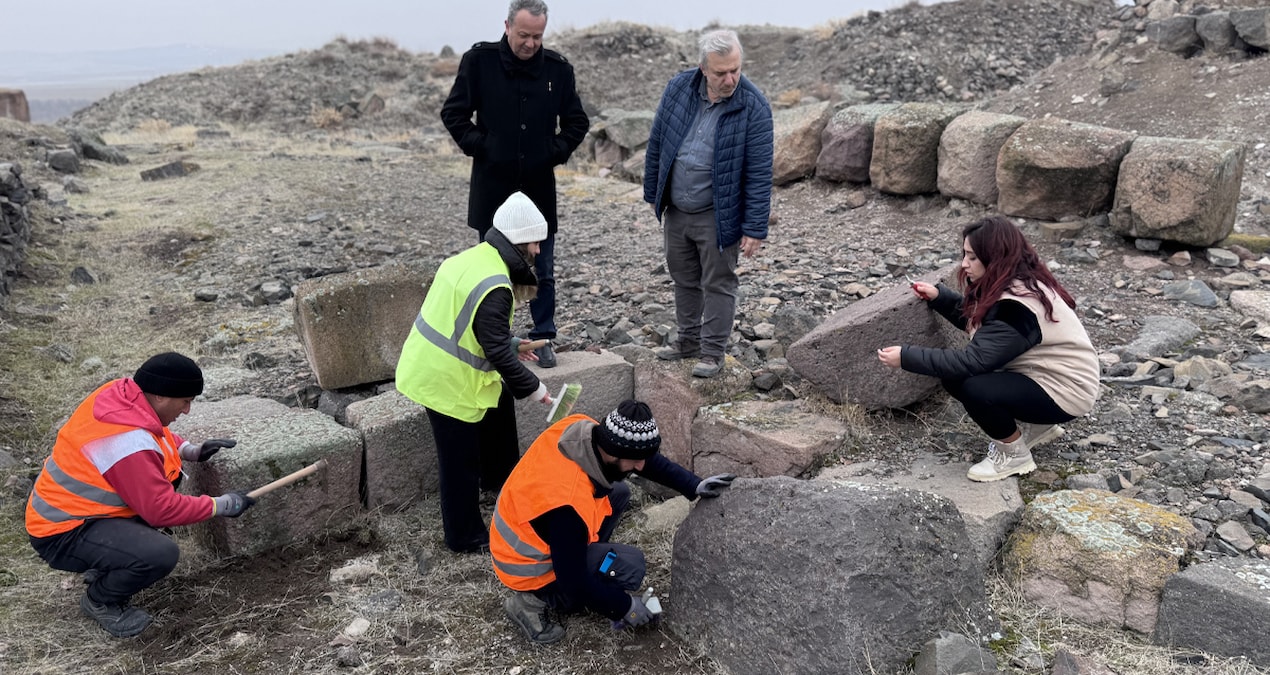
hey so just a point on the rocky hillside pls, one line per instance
(963, 51)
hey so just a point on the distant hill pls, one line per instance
(59, 83)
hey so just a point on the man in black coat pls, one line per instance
(519, 93)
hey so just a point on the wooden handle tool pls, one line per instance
(288, 479)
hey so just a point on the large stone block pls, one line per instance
(13, 104)
(1054, 169)
(401, 452)
(1097, 557)
(840, 357)
(968, 153)
(629, 129)
(273, 441)
(1180, 190)
(796, 141)
(990, 510)
(606, 379)
(846, 144)
(906, 147)
(1216, 31)
(757, 439)
(1220, 607)
(1175, 34)
(780, 575)
(352, 325)
(1253, 26)
(674, 403)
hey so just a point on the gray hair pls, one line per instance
(721, 42)
(534, 7)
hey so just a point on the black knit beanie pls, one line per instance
(630, 432)
(170, 374)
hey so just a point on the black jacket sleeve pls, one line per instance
(948, 304)
(566, 536)
(1008, 330)
(661, 470)
(495, 335)
(456, 112)
(573, 121)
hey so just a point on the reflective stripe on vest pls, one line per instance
(544, 479)
(450, 345)
(523, 548)
(71, 489)
(106, 498)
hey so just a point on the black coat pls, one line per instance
(513, 141)
(1009, 329)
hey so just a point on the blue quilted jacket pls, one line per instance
(742, 155)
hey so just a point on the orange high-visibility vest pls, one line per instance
(70, 490)
(543, 480)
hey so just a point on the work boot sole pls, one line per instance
(677, 356)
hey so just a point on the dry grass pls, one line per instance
(325, 118)
(1122, 651)
(788, 98)
(154, 126)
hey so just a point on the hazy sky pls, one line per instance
(288, 25)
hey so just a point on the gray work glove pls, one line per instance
(211, 447)
(232, 504)
(638, 614)
(715, 485)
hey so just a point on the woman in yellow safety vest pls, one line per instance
(460, 361)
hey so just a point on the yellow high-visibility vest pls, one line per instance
(442, 366)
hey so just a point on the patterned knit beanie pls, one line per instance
(630, 432)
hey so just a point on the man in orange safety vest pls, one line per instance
(111, 481)
(550, 534)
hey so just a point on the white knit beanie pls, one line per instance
(520, 221)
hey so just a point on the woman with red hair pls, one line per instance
(1029, 364)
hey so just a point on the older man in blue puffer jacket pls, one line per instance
(708, 170)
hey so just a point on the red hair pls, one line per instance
(1007, 258)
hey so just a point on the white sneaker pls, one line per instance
(1036, 435)
(1004, 460)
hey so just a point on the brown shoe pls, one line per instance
(678, 351)
(708, 366)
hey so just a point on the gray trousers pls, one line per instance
(704, 278)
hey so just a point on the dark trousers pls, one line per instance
(473, 456)
(995, 400)
(127, 554)
(704, 279)
(627, 570)
(543, 307)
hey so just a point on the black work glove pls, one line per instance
(638, 614)
(715, 485)
(232, 504)
(210, 447)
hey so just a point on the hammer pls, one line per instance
(288, 479)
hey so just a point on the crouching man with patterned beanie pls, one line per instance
(550, 534)
(111, 480)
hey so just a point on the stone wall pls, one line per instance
(15, 225)
(13, 105)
